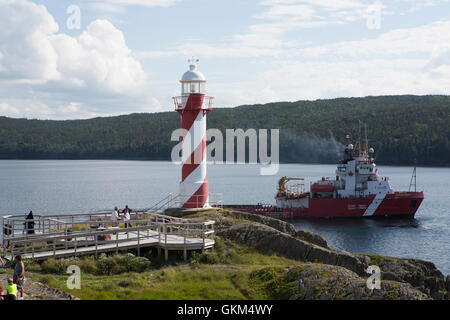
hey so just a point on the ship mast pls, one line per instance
(366, 142)
(413, 181)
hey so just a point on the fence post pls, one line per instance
(203, 237)
(32, 250)
(166, 252)
(117, 242)
(159, 228)
(54, 248)
(139, 242)
(96, 246)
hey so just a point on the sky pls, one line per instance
(81, 59)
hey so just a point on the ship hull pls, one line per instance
(399, 204)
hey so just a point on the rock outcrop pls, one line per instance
(271, 241)
(422, 275)
(326, 282)
(401, 278)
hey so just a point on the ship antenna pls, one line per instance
(366, 147)
(413, 181)
(358, 143)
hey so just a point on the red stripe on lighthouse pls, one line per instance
(199, 198)
(195, 159)
(191, 172)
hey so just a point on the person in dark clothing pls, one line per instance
(29, 225)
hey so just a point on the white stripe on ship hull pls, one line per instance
(370, 211)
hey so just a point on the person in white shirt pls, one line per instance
(126, 217)
(115, 216)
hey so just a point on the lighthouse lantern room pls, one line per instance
(193, 105)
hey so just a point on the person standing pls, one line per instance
(19, 273)
(127, 216)
(115, 217)
(29, 224)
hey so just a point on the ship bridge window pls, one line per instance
(342, 169)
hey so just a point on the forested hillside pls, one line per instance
(400, 128)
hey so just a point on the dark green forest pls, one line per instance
(400, 128)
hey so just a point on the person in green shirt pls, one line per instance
(11, 289)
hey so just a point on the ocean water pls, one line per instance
(77, 186)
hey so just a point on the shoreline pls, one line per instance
(254, 258)
(443, 166)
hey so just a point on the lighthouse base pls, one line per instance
(194, 195)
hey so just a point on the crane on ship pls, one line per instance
(282, 185)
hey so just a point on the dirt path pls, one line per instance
(37, 291)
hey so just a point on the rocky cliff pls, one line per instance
(328, 273)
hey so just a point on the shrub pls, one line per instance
(206, 258)
(105, 265)
(88, 265)
(122, 263)
(58, 266)
(31, 265)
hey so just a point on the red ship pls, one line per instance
(357, 191)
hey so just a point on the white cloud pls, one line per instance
(99, 59)
(50, 69)
(147, 3)
(292, 80)
(424, 39)
(26, 51)
(268, 38)
(403, 61)
(107, 7)
(6, 109)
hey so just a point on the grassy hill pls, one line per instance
(400, 128)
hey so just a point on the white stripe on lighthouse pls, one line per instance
(197, 132)
(370, 211)
(198, 175)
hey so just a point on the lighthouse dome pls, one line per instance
(193, 75)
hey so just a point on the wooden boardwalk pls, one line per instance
(92, 234)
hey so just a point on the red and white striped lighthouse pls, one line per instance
(193, 105)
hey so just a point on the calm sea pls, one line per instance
(59, 186)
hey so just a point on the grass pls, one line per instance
(230, 272)
(380, 260)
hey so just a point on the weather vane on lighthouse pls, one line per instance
(193, 105)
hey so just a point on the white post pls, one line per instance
(185, 250)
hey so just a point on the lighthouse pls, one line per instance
(193, 105)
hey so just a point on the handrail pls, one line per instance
(74, 231)
(50, 244)
(147, 222)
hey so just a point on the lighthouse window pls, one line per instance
(185, 87)
(195, 88)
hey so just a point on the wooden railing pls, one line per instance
(55, 233)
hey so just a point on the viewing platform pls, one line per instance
(91, 234)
